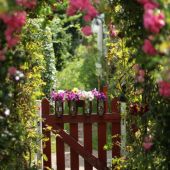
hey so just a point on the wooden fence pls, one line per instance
(57, 120)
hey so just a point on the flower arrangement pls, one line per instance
(75, 97)
(76, 94)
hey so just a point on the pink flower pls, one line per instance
(83, 6)
(91, 11)
(77, 4)
(151, 5)
(147, 144)
(87, 18)
(12, 70)
(14, 22)
(148, 48)
(164, 88)
(71, 11)
(87, 30)
(112, 30)
(27, 3)
(153, 22)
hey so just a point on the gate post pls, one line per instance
(46, 144)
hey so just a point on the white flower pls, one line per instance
(89, 95)
(7, 112)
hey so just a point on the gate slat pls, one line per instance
(102, 142)
(46, 145)
(88, 142)
(74, 156)
(60, 151)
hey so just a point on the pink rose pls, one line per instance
(150, 2)
(112, 30)
(147, 144)
(87, 18)
(91, 11)
(148, 48)
(12, 70)
(164, 88)
(151, 5)
(87, 30)
(27, 3)
(153, 22)
(71, 11)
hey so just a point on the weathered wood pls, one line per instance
(79, 149)
(73, 153)
(87, 143)
(60, 151)
(101, 143)
(57, 123)
(114, 118)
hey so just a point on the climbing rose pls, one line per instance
(147, 144)
(71, 11)
(149, 4)
(164, 88)
(91, 11)
(27, 3)
(84, 6)
(14, 23)
(112, 30)
(87, 18)
(148, 48)
(86, 30)
(12, 70)
(153, 22)
(15, 20)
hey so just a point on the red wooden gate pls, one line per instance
(76, 149)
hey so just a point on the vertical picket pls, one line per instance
(102, 142)
(73, 154)
(47, 144)
(60, 151)
(88, 142)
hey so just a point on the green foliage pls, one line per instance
(81, 72)
(128, 18)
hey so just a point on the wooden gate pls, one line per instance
(76, 149)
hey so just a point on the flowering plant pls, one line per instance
(58, 96)
(77, 94)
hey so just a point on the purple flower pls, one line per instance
(99, 95)
(71, 96)
(57, 96)
(53, 95)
